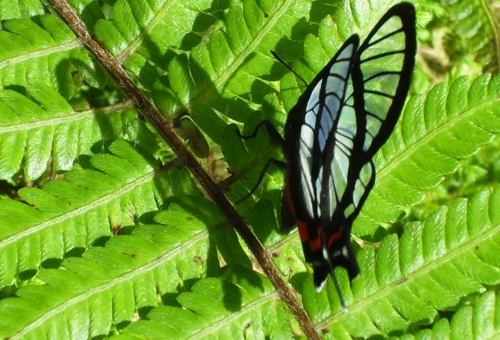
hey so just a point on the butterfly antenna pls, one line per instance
(288, 67)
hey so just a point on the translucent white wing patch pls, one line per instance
(361, 188)
(336, 184)
(381, 61)
(322, 116)
(379, 93)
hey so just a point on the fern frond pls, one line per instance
(473, 30)
(71, 214)
(241, 304)
(144, 37)
(147, 26)
(21, 9)
(43, 128)
(131, 272)
(125, 247)
(419, 278)
(44, 53)
(477, 321)
(215, 82)
(434, 133)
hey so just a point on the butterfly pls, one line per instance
(341, 120)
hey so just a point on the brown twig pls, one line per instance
(164, 128)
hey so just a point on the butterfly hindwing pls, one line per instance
(307, 131)
(308, 128)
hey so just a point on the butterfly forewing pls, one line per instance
(385, 59)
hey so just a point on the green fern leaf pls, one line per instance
(28, 46)
(99, 240)
(195, 82)
(22, 8)
(469, 322)
(470, 32)
(130, 273)
(410, 282)
(433, 267)
(42, 128)
(434, 133)
(52, 226)
(242, 304)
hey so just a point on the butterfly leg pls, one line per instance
(270, 162)
(271, 130)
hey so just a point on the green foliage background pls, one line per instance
(103, 234)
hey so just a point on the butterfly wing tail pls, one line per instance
(342, 255)
(335, 250)
(329, 256)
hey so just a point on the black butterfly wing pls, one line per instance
(338, 124)
(381, 76)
